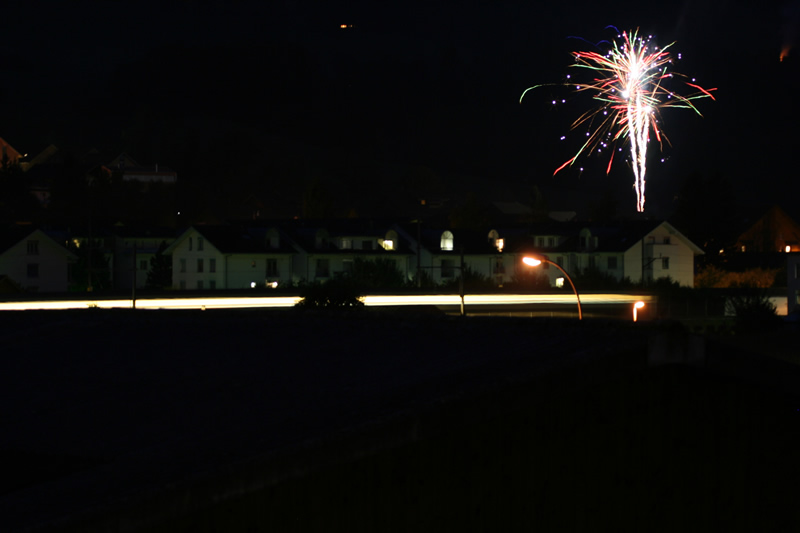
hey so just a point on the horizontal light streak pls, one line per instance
(290, 301)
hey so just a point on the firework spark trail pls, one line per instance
(628, 84)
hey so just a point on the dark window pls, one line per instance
(448, 268)
(33, 247)
(366, 245)
(612, 263)
(665, 263)
(212, 265)
(200, 264)
(33, 270)
(199, 244)
(272, 268)
(183, 265)
(323, 268)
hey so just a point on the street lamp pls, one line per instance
(536, 261)
(638, 305)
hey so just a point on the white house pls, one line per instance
(329, 249)
(230, 257)
(637, 250)
(33, 260)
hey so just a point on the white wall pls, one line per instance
(53, 270)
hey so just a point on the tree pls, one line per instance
(16, 201)
(160, 274)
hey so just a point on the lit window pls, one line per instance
(388, 245)
(500, 244)
(446, 241)
(559, 282)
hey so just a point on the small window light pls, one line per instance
(252, 284)
(559, 282)
(788, 248)
(388, 244)
(500, 243)
(272, 284)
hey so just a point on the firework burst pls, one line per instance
(628, 83)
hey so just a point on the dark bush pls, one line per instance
(338, 294)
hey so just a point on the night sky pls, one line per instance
(256, 90)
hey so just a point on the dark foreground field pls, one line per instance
(387, 421)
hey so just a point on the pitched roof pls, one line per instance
(235, 239)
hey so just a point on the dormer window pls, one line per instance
(389, 242)
(446, 242)
(272, 239)
(321, 239)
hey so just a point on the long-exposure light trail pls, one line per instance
(290, 301)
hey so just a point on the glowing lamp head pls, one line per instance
(530, 261)
(638, 305)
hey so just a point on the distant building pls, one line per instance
(130, 171)
(772, 231)
(8, 152)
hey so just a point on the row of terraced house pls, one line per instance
(264, 255)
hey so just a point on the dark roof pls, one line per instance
(11, 235)
(234, 239)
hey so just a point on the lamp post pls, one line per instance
(536, 261)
